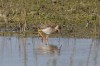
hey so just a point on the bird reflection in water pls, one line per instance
(52, 49)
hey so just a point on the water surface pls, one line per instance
(19, 51)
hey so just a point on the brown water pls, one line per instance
(19, 51)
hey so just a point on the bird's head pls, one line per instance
(58, 28)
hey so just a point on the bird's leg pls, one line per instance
(41, 35)
(46, 39)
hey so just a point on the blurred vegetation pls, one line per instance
(76, 17)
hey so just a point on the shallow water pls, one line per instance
(19, 51)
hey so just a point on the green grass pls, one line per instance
(72, 15)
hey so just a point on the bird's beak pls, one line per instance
(60, 32)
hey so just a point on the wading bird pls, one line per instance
(48, 29)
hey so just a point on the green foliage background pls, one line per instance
(80, 17)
